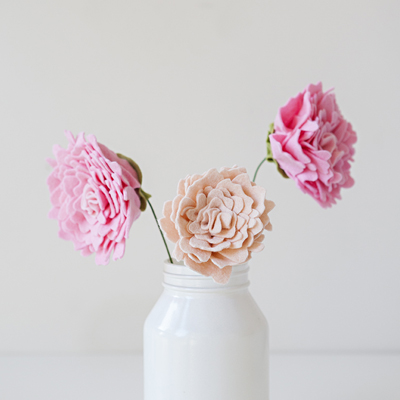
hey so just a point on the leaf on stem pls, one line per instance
(142, 194)
(270, 157)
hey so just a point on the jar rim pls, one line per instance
(182, 276)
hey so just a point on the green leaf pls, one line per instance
(270, 157)
(143, 199)
(133, 165)
(142, 194)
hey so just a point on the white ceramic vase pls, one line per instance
(205, 341)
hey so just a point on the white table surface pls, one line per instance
(119, 377)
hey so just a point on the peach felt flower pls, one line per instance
(216, 221)
(313, 144)
(95, 197)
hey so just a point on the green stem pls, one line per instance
(259, 165)
(162, 235)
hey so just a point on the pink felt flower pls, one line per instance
(94, 195)
(216, 221)
(313, 144)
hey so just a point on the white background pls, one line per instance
(182, 86)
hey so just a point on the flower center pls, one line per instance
(328, 142)
(90, 201)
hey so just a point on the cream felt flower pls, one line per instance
(216, 221)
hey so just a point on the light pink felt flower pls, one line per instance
(313, 144)
(216, 221)
(94, 195)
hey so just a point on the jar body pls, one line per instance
(205, 341)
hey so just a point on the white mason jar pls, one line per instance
(205, 341)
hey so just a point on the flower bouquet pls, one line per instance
(205, 338)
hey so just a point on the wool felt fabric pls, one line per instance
(313, 144)
(94, 195)
(217, 221)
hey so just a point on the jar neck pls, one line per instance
(178, 276)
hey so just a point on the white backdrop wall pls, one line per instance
(182, 86)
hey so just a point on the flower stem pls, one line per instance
(259, 165)
(162, 235)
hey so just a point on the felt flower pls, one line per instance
(95, 197)
(312, 144)
(216, 221)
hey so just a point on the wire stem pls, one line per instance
(162, 235)
(259, 165)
